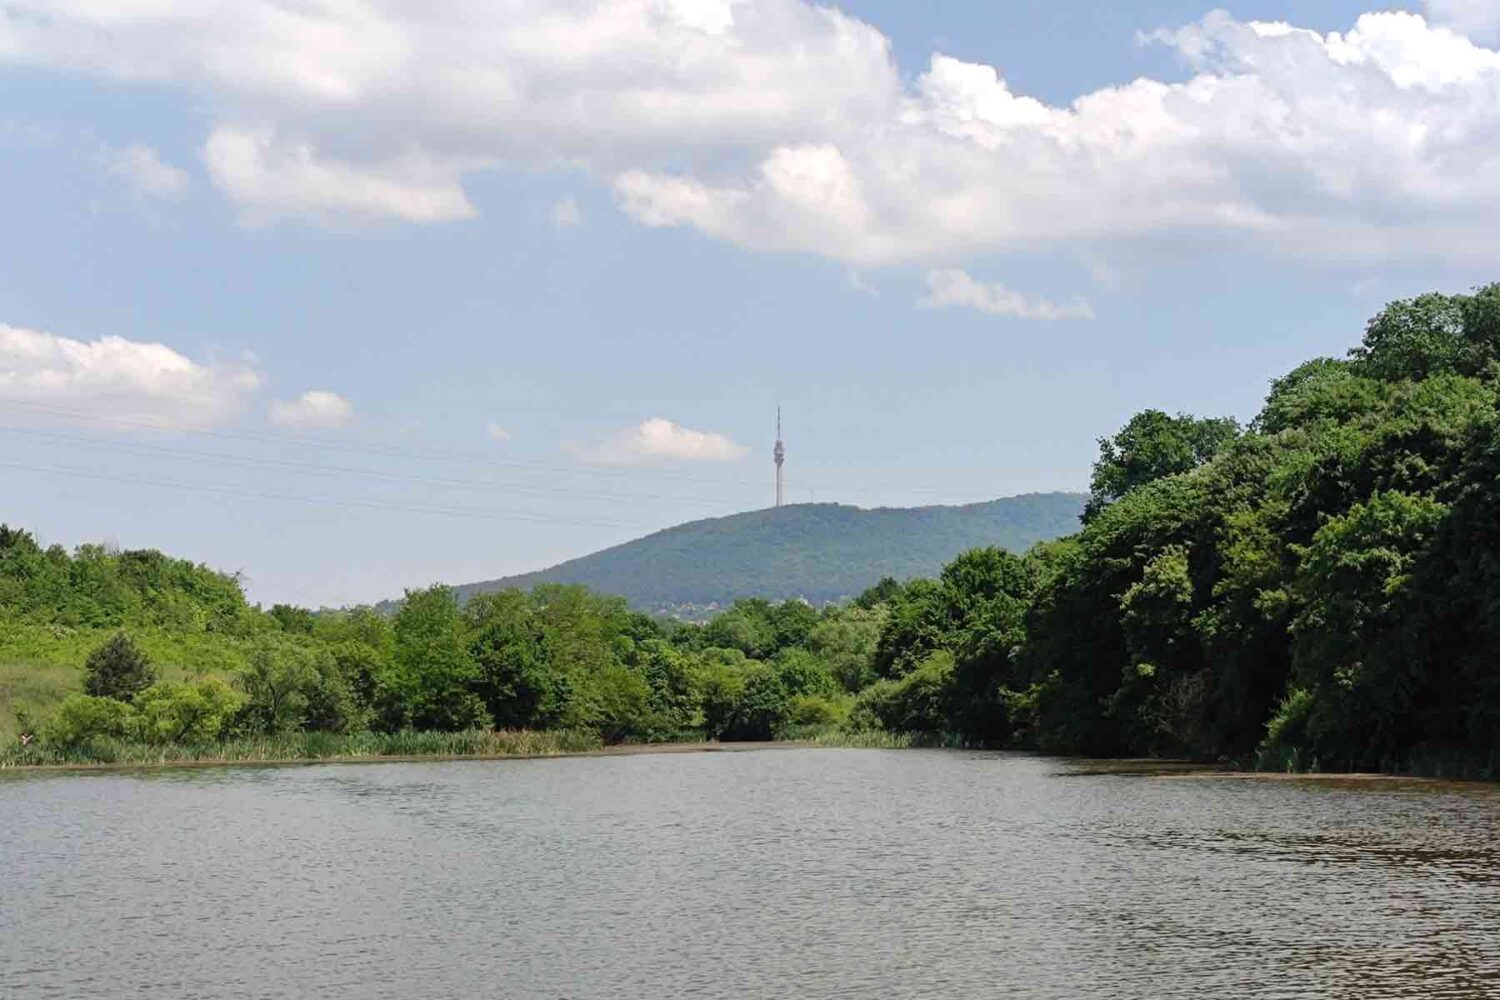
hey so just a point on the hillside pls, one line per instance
(820, 552)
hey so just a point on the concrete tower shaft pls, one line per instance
(779, 453)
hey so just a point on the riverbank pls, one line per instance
(364, 748)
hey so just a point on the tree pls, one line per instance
(290, 686)
(118, 669)
(1150, 446)
(919, 702)
(430, 682)
(168, 712)
(762, 707)
(516, 678)
(293, 619)
(886, 590)
(845, 640)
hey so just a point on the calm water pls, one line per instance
(786, 873)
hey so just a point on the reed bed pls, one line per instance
(308, 746)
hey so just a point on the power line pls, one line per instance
(426, 455)
(253, 462)
(447, 511)
(470, 458)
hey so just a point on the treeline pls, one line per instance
(556, 658)
(1319, 589)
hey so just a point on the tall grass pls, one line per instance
(310, 746)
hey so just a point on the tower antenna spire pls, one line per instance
(779, 453)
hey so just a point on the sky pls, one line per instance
(350, 296)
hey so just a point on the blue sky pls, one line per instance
(349, 298)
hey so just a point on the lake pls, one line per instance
(800, 873)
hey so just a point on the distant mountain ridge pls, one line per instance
(819, 552)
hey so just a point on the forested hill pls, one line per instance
(819, 552)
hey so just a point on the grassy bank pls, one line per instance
(41, 665)
(409, 745)
(306, 746)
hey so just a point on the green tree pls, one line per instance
(520, 685)
(277, 683)
(1150, 446)
(429, 684)
(846, 640)
(118, 669)
(199, 712)
(762, 708)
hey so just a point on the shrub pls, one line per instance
(82, 718)
(917, 703)
(184, 713)
(118, 669)
(812, 710)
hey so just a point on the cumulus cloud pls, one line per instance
(142, 169)
(1381, 141)
(316, 409)
(115, 382)
(566, 214)
(656, 439)
(949, 288)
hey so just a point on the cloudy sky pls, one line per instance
(351, 295)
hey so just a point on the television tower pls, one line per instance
(779, 453)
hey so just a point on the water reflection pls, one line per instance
(810, 874)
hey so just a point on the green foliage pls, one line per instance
(199, 712)
(1151, 446)
(846, 642)
(428, 683)
(1322, 590)
(919, 702)
(96, 587)
(821, 553)
(762, 707)
(117, 669)
(82, 719)
(1432, 334)
(515, 677)
(288, 687)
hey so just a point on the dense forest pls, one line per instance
(818, 552)
(1318, 589)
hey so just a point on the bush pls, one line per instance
(118, 669)
(815, 711)
(920, 702)
(184, 713)
(83, 718)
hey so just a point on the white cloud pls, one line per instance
(495, 432)
(114, 382)
(316, 409)
(270, 179)
(566, 214)
(1479, 19)
(951, 287)
(656, 439)
(143, 170)
(1380, 142)
(355, 87)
